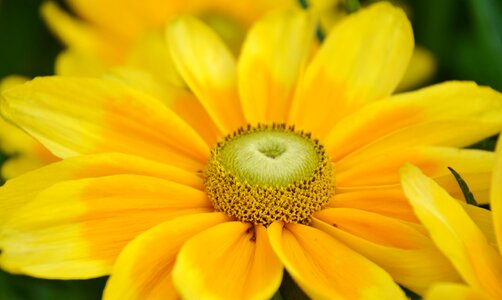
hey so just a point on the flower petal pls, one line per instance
(233, 260)
(75, 229)
(387, 201)
(72, 116)
(402, 249)
(179, 100)
(208, 67)
(25, 153)
(76, 63)
(273, 55)
(453, 114)
(496, 195)
(362, 60)
(83, 37)
(150, 53)
(112, 16)
(454, 232)
(475, 167)
(325, 268)
(420, 70)
(454, 291)
(23, 189)
(483, 220)
(145, 268)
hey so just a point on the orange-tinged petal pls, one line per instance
(20, 190)
(402, 249)
(233, 260)
(387, 201)
(112, 16)
(475, 167)
(143, 269)
(362, 60)
(374, 227)
(448, 114)
(272, 57)
(75, 229)
(496, 195)
(208, 68)
(180, 101)
(455, 234)
(326, 269)
(454, 291)
(73, 116)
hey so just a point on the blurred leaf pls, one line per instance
(16, 287)
(27, 48)
(486, 16)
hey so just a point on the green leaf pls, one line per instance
(469, 197)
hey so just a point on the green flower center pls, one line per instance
(269, 173)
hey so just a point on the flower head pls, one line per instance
(313, 146)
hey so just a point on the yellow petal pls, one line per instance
(83, 37)
(145, 268)
(233, 260)
(454, 232)
(483, 220)
(78, 63)
(475, 167)
(448, 114)
(180, 101)
(387, 201)
(73, 116)
(20, 164)
(454, 291)
(421, 69)
(496, 195)
(19, 191)
(273, 55)
(114, 16)
(75, 229)
(150, 53)
(325, 268)
(402, 249)
(362, 60)
(208, 68)
(25, 153)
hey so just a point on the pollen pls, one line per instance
(269, 173)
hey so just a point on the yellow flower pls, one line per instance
(169, 211)
(473, 254)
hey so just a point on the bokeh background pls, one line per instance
(465, 37)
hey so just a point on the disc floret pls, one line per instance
(269, 173)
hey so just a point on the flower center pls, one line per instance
(269, 173)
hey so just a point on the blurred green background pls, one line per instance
(464, 35)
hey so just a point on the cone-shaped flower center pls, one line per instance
(269, 173)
